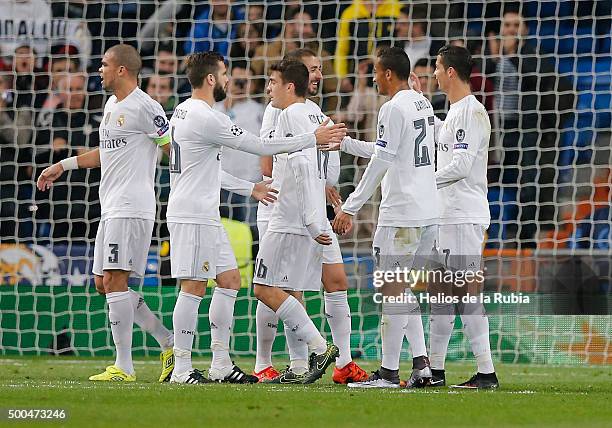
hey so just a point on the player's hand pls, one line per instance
(330, 134)
(324, 239)
(330, 147)
(264, 193)
(343, 223)
(48, 176)
(415, 83)
(332, 196)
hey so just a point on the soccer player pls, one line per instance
(463, 143)
(134, 125)
(402, 159)
(200, 249)
(334, 278)
(290, 252)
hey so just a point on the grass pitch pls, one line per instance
(537, 396)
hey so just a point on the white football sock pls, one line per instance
(294, 315)
(298, 352)
(266, 323)
(440, 331)
(121, 317)
(185, 322)
(414, 329)
(338, 314)
(221, 316)
(476, 328)
(392, 330)
(416, 336)
(148, 322)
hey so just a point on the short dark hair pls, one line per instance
(201, 64)
(459, 58)
(127, 56)
(299, 54)
(423, 62)
(395, 59)
(295, 72)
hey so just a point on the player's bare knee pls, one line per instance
(334, 278)
(229, 279)
(260, 291)
(99, 282)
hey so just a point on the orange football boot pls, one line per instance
(268, 373)
(349, 373)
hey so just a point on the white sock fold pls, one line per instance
(121, 317)
(296, 318)
(440, 331)
(221, 316)
(338, 315)
(185, 322)
(266, 323)
(392, 330)
(148, 322)
(476, 328)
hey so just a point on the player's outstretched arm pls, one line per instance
(230, 135)
(362, 149)
(90, 159)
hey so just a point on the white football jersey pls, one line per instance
(130, 132)
(405, 130)
(268, 128)
(198, 135)
(291, 208)
(466, 129)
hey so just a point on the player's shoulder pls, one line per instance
(146, 103)
(271, 111)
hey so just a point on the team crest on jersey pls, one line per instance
(236, 130)
(107, 118)
(205, 267)
(381, 130)
(460, 135)
(120, 120)
(159, 121)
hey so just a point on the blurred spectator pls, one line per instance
(363, 26)
(160, 87)
(532, 102)
(298, 32)
(15, 158)
(31, 22)
(424, 70)
(166, 61)
(249, 39)
(30, 81)
(214, 28)
(412, 31)
(73, 129)
(247, 114)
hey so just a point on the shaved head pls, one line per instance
(126, 56)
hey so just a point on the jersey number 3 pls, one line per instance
(421, 152)
(175, 155)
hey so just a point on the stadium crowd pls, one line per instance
(51, 100)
